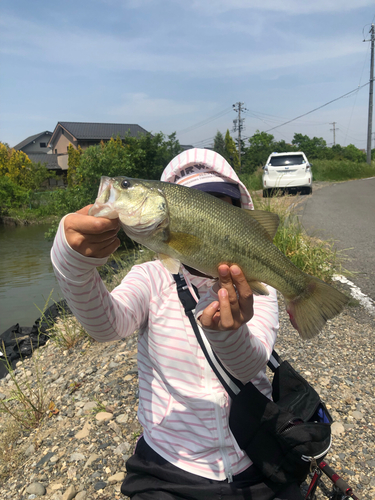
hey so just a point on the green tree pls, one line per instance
(17, 166)
(313, 148)
(74, 158)
(231, 153)
(354, 154)
(261, 145)
(219, 144)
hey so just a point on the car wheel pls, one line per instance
(308, 190)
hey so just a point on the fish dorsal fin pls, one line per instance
(268, 220)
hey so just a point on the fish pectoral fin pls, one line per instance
(258, 288)
(172, 265)
(184, 243)
(268, 220)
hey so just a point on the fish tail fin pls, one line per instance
(319, 302)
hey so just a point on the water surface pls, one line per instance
(26, 274)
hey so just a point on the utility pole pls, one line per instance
(369, 128)
(334, 132)
(238, 126)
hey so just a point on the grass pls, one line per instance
(27, 401)
(343, 170)
(311, 255)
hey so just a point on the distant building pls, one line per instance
(87, 134)
(37, 143)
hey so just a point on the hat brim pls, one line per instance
(224, 188)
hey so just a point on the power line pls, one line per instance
(205, 122)
(320, 107)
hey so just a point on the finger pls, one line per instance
(100, 237)
(105, 251)
(87, 224)
(245, 294)
(208, 315)
(226, 283)
(98, 250)
(227, 320)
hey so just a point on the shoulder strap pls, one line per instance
(230, 383)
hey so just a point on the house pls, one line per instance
(87, 134)
(37, 143)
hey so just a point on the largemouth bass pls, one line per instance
(185, 225)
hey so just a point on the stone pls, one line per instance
(88, 407)
(81, 495)
(103, 416)
(36, 489)
(337, 428)
(84, 432)
(91, 459)
(70, 493)
(76, 457)
(100, 485)
(117, 478)
(122, 419)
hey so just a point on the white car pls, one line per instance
(289, 171)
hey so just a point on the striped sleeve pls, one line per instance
(105, 316)
(246, 351)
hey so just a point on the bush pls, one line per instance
(12, 195)
(341, 170)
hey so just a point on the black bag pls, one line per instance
(282, 436)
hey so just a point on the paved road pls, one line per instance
(345, 212)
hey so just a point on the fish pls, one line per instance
(187, 226)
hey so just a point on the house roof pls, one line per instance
(99, 131)
(31, 139)
(49, 159)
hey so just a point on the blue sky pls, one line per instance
(179, 66)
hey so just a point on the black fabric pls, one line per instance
(277, 434)
(280, 435)
(151, 477)
(20, 341)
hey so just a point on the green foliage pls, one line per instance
(12, 195)
(311, 255)
(231, 153)
(219, 144)
(313, 148)
(17, 166)
(261, 145)
(341, 170)
(74, 157)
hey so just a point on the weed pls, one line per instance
(66, 331)
(27, 401)
(311, 255)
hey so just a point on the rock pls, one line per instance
(84, 432)
(76, 457)
(81, 495)
(117, 478)
(88, 407)
(36, 489)
(100, 485)
(103, 416)
(91, 459)
(122, 419)
(30, 450)
(70, 493)
(337, 428)
(122, 448)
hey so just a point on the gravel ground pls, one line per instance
(80, 451)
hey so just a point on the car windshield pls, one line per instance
(278, 161)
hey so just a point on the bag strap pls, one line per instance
(232, 385)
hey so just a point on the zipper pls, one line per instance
(224, 453)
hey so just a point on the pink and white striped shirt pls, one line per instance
(183, 407)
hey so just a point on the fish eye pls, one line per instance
(125, 184)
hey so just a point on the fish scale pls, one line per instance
(185, 225)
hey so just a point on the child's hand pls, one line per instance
(91, 236)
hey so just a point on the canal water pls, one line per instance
(26, 275)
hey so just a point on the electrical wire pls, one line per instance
(205, 122)
(320, 107)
